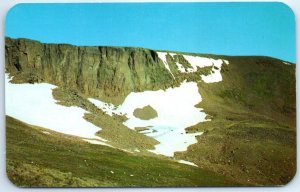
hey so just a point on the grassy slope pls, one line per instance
(38, 159)
(251, 137)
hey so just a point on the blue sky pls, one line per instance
(216, 28)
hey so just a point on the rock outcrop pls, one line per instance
(109, 73)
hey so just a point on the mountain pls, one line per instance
(232, 115)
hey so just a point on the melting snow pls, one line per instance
(226, 62)
(176, 110)
(96, 142)
(187, 163)
(34, 104)
(46, 132)
(215, 74)
(195, 62)
(180, 67)
(108, 108)
(163, 57)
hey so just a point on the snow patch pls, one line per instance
(200, 62)
(180, 67)
(172, 54)
(97, 142)
(34, 104)
(226, 62)
(187, 163)
(215, 75)
(108, 108)
(196, 61)
(163, 57)
(176, 110)
(171, 142)
(286, 63)
(171, 105)
(137, 150)
(46, 132)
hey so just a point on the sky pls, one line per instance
(216, 28)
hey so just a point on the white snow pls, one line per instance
(176, 110)
(180, 67)
(286, 63)
(172, 54)
(34, 104)
(163, 57)
(108, 108)
(97, 142)
(187, 163)
(215, 75)
(226, 62)
(173, 141)
(46, 132)
(198, 62)
(171, 106)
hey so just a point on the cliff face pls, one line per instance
(109, 73)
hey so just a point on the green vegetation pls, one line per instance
(251, 137)
(56, 160)
(145, 113)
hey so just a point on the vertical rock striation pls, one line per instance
(109, 73)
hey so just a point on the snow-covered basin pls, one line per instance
(176, 111)
(34, 104)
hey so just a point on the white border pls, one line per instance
(7, 186)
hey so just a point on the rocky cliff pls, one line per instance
(109, 73)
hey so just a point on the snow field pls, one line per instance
(34, 104)
(176, 110)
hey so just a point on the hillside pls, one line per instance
(50, 159)
(232, 115)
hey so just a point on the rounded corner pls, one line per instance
(9, 11)
(10, 180)
(291, 179)
(288, 7)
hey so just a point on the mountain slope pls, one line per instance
(249, 103)
(48, 159)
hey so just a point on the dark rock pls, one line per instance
(109, 73)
